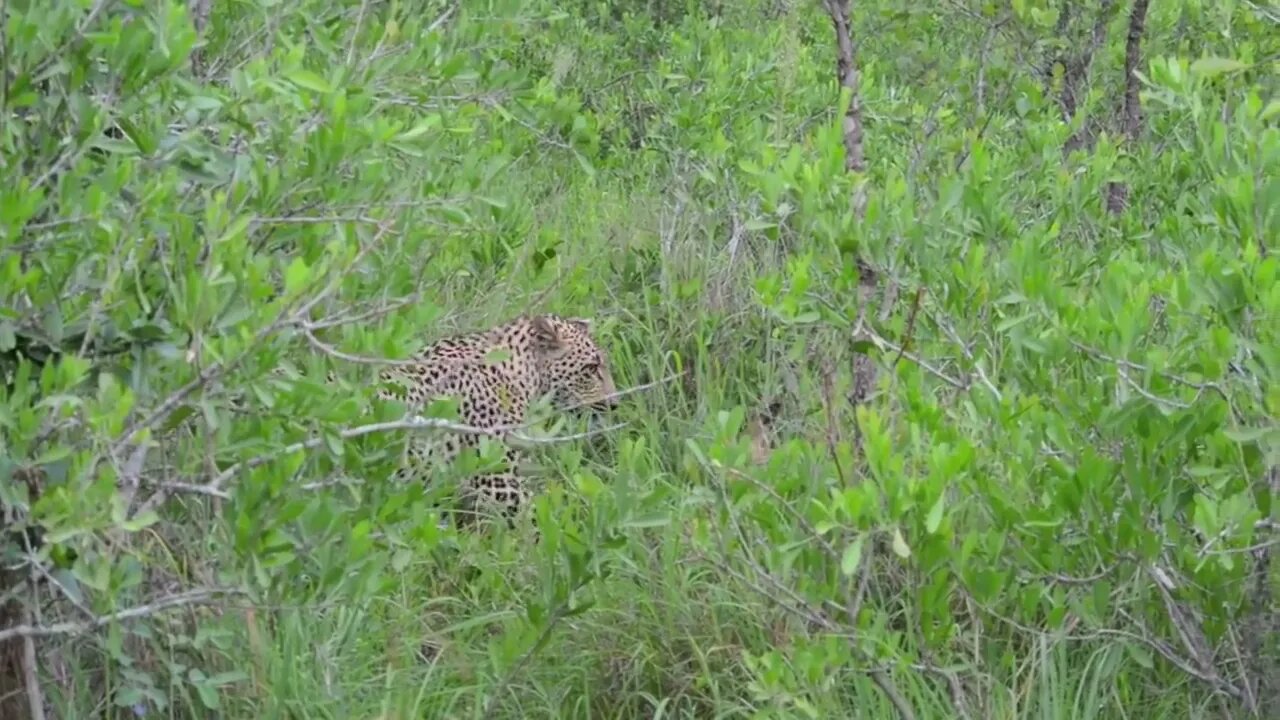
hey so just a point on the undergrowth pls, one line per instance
(986, 447)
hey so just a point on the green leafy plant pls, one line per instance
(1021, 446)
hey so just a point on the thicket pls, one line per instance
(954, 330)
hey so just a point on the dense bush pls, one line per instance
(991, 446)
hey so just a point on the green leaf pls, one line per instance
(648, 521)
(53, 455)
(900, 547)
(585, 164)
(1271, 110)
(852, 557)
(934, 519)
(208, 696)
(334, 442)
(443, 408)
(115, 147)
(1248, 434)
(1140, 655)
(226, 678)
(401, 559)
(177, 417)
(138, 522)
(296, 276)
(455, 214)
(578, 609)
(1212, 66)
(235, 228)
(863, 347)
(1006, 325)
(143, 140)
(432, 121)
(309, 80)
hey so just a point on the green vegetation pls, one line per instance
(1026, 468)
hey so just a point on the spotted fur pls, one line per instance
(495, 376)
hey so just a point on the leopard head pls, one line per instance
(571, 366)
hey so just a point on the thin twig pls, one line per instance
(372, 314)
(31, 678)
(625, 392)
(883, 343)
(192, 597)
(443, 17)
(415, 422)
(193, 488)
(567, 438)
(332, 351)
(890, 690)
(1124, 375)
(317, 220)
(1100, 355)
(968, 354)
(908, 333)
(355, 33)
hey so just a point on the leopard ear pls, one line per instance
(584, 324)
(545, 335)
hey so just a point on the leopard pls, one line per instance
(496, 376)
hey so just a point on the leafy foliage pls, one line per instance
(1058, 498)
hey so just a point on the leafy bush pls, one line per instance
(1025, 466)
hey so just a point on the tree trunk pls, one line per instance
(1131, 116)
(847, 74)
(864, 369)
(1075, 68)
(199, 10)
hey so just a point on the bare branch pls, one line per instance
(1162, 648)
(1099, 355)
(332, 351)
(968, 354)
(627, 391)
(31, 678)
(566, 438)
(414, 423)
(916, 359)
(192, 597)
(890, 690)
(192, 488)
(442, 18)
(372, 314)
(1124, 375)
(317, 220)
